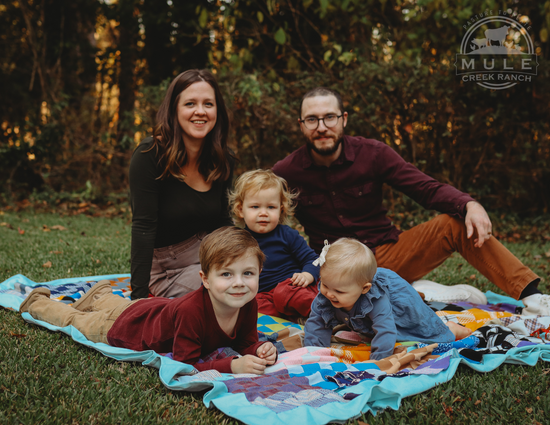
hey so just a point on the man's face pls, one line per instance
(323, 140)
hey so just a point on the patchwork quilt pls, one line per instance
(313, 385)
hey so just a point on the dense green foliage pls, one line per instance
(47, 378)
(84, 80)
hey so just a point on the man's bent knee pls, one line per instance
(445, 220)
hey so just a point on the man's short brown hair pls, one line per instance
(225, 245)
(323, 91)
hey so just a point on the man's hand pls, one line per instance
(302, 279)
(476, 217)
(248, 364)
(268, 352)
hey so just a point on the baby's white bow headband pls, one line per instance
(322, 258)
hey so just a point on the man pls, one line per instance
(340, 179)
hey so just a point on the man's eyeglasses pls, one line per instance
(329, 120)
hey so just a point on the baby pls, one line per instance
(222, 313)
(374, 302)
(262, 202)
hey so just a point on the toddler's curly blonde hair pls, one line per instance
(252, 182)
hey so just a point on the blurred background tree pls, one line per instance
(81, 82)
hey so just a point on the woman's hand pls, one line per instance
(268, 352)
(302, 279)
(248, 364)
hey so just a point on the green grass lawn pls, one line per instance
(47, 378)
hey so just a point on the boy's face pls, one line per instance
(261, 210)
(233, 285)
(340, 290)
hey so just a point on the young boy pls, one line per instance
(222, 313)
(261, 201)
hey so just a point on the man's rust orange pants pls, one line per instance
(426, 246)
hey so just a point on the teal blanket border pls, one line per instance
(13, 301)
(374, 395)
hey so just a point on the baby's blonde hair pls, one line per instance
(253, 182)
(349, 257)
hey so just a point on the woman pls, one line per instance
(178, 186)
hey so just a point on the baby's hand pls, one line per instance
(302, 279)
(248, 364)
(268, 352)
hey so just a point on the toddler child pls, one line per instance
(374, 302)
(263, 203)
(222, 313)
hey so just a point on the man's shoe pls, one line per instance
(87, 300)
(537, 304)
(448, 294)
(36, 294)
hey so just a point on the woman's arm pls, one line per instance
(144, 202)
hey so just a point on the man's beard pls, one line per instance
(325, 151)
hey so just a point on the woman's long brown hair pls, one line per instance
(168, 139)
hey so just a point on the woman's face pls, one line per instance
(197, 111)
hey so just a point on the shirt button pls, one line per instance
(333, 193)
(340, 216)
(360, 193)
(346, 319)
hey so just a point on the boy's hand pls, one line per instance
(248, 364)
(302, 279)
(268, 352)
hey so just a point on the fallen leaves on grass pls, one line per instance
(47, 264)
(9, 226)
(56, 227)
(56, 252)
(21, 231)
(448, 410)
(472, 277)
(18, 335)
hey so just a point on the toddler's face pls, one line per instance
(261, 210)
(342, 291)
(233, 285)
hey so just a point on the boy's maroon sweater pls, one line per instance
(187, 327)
